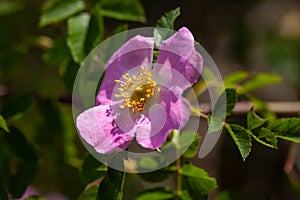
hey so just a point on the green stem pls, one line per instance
(179, 177)
(178, 163)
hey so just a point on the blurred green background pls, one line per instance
(37, 74)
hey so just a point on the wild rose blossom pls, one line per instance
(132, 102)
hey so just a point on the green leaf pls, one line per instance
(77, 32)
(265, 137)
(241, 137)
(159, 193)
(60, 10)
(9, 7)
(112, 185)
(189, 148)
(92, 169)
(156, 176)
(20, 147)
(260, 80)
(214, 124)
(166, 22)
(24, 175)
(253, 120)
(286, 128)
(129, 10)
(227, 103)
(91, 193)
(168, 19)
(235, 77)
(58, 54)
(197, 181)
(95, 31)
(14, 107)
(3, 124)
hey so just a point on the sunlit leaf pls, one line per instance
(9, 7)
(286, 128)
(197, 181)
(265, 137)
(3, 124)
(60, 10)
(35, 197)
(260, 80)
(227, 100)
(91, 193)
(159, 193)
(253, 120)
(214, 124)
(241, 138)
(130, 10)
(236, 77)
(77, 32)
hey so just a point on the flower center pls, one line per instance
(136, 89)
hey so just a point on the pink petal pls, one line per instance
(151, 133)
(178, 52)
(135, 52)
(98, 128)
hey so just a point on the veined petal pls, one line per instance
(135, 52)
(98, 128)
(151, 133)
(179, 53)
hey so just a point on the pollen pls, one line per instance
(136, 89)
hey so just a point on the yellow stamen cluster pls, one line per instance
(136, 89)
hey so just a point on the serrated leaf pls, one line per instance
(91, 193)
(60, 10)
(226, 101)
(265, 137)
(260, 80)
(92, 169)
(130, 10)
(77, 32)
(112, 185)
(14, 107)
(168, 19)
(241, 138)
(253, 120)
(286, 128)
(166, 22)
(20, 147)
(159, 193)
(214, 124)
(197, 181)
(3, 124)
(235, 77)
